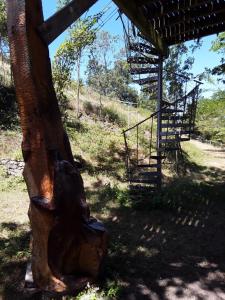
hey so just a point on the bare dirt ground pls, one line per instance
(215, 155)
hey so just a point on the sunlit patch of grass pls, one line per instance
(194, 154)
(10, 143)
(11, 183)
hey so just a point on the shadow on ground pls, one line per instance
(174, 252)
(170, 246)
(14, 252)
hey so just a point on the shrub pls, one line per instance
(112, 115)
(8, 108)
(90, 108)
(105, 113)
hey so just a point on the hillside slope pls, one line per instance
(150, 238)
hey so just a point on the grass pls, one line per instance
(210, 119)
(154, 241)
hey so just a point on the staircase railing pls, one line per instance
(185, 108)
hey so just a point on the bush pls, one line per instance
(106, 113)
(8, 108)
(210, 119)
(90, 108)
(112, 115)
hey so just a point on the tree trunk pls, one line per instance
(78, 83)
(68, 246)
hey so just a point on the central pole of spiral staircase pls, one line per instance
(159, 121)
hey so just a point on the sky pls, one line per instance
(203, 57)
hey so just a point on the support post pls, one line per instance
(62, 19)
(159, 121)
(67, 245)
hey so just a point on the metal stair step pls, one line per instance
(163, 141)
(157, 157)
(168, 149)
(142, 60)
(168, 117)
(170, 110)
(170, 125)
(145, 39)
(147, 181)
(140, 188)
(169, 133)
(149, 174)
(134, 71)
(146, 80)
(148, 166)
(142, 48)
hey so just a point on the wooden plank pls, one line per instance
(156, 10)
(136, 15)
(199, 34)
(61, 20)
(191, 26)
(203, 15)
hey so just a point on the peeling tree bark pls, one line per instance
(68, 246)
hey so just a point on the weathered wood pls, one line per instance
(194, 21)
(65, 240)
(201, 17)
(159, 9)
(136, 15)
(175, 21)
(61, 20)
(197, 34)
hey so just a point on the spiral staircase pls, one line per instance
(161, 134)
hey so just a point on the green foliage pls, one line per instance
(112, 115)
(10, 183)
(178, 63)
(3, 28)
(8, 108)
(210, 117)
(68, 55)
(218, 46)
(105, 113)
(112, 82)
(62, 80)
(62, 3)
(90, 108)
(107, 78)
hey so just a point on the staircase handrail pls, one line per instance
(156, 112)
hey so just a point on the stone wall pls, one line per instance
(13, 167)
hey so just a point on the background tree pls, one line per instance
(100, 61)
(107, 69)
(69, 54)
(218, 46)
(61, 3)
(177, 67)
(4, 48)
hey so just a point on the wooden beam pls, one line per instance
(62, 19)
(136, 15)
